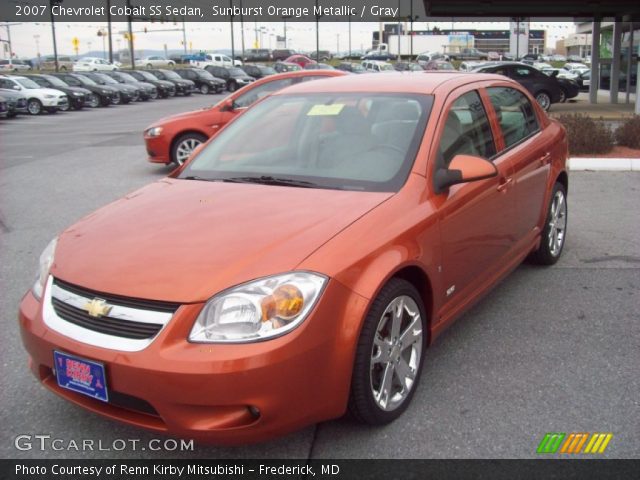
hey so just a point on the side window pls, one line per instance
(515, 113)
(523, 72)
(467, 130)
(5, 83)
(247, 99)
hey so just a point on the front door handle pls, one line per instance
(504, 184)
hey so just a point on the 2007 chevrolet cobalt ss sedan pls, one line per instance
(301, 262)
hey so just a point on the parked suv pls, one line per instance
(38, 98)
(127, 93)
(205, 82)
(165, 88)
(78, 96)
(183, 86)
(235, 77)
(16, 102)
(258, 55)
(65, 64)
(146, 90)
(13, 65)
(104, 93)
(258, 71)
(282, 54)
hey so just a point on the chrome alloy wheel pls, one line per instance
(543, 100)
(557, 223)
(185, 148)
(396, 352)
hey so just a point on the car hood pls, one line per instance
(82, 90)
(184, 240)
(47, 91)
(211, 114)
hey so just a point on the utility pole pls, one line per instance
(256, 44)
(399, 32)
(184, 35)
(8, 27)
(317, 35)
(109, 31)
(233, 48)
(338, 45)
(53, 31)
(242, 29)
(349, 36)
(131, 48)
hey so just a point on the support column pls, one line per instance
(629, 62)
(595, 61)
(615, 62)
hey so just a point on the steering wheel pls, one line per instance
(387, 146)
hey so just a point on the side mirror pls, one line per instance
(463, 169)
(227, 105)
(554, 73)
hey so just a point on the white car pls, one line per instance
(156, 62)
(377, 66)
(575, 67)
(425, 57)
(93, 64)
(38, 98)
(560, 73)
(13, 65)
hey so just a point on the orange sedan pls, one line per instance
(173, 139)
(324, 239)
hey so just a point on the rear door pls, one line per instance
(476, 218)
(528, 149)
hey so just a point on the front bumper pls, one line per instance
(214, 392)
(158, 149)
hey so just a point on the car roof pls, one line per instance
(393, 82)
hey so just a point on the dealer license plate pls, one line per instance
(81, 376)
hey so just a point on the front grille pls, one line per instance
(154, 305)
(106, 325)
(130, 402)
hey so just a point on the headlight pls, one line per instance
(258, 310)
(153, 132)
(77, 94)
(46, 260)
(49, 96)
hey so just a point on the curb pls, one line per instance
(604, 164)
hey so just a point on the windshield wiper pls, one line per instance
(269, 180)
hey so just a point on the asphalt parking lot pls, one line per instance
(550, 350)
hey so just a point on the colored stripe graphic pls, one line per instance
(550, 442)
(573, 443)
(598, 443)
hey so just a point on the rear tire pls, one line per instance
(544, 100)
(389, 355)
(555, 229)
(232, 87)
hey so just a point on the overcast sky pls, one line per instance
(29, 38)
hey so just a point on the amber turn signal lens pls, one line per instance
(288, 300)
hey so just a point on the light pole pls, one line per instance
(36, 37)
(285, 18)
(109, 31)
(233, 48)
(53, 31)
(242, 30)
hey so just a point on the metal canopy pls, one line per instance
(587, 9)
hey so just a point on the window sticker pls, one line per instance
(325, 110)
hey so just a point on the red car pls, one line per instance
(301, 60)
(172, 139)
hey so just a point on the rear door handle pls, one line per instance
(544, 158)
(504, 184)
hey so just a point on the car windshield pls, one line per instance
(347, 141)
(105, 78)
(126, 77)
(85, 80)
(55, 81)
(236, 72)
(27, 83)
(147, 76)
(267, 70)
(204, 74)
(171, 75)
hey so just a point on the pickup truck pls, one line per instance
(469, 54)
(212, 60)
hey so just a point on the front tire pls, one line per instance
(204, 89)
(116, 99)
(34, 106)
(563, 96)
(184, 146)
(233, 86)
(389, 355)
(555, 229)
